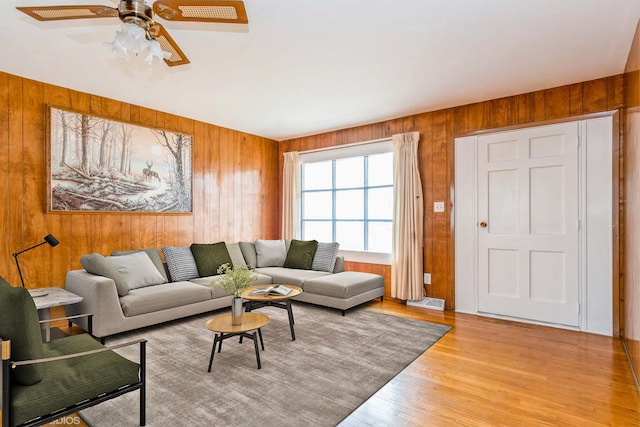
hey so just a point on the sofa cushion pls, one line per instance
(180, 262)
(290, 276)
(270, 253)
(154, 255)
(325, 257)
(249, 253)
(300, 254)
(209, 257)
(70, 381)
(95, 263)
(236, 254)
(162, 297)
(138, 269)
(19, 323)
(343, 285)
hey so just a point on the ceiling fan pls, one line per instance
(138, 13)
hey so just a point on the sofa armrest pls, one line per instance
(99, 296)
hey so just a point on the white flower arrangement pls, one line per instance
(235, 279)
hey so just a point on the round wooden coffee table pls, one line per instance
(280, 301)
(223, 328)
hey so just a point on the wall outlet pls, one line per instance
(427, 278)
(438, 206)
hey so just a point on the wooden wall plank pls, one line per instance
(526, 108)
(440, 194)
(16, 172)
(461, 120)
(539, 106)
(615, 92)
(424, 124)
(33, 184)
(479, 116)
(504, 112)
(5, 262)
(575, 99)
(594, 96)
(557, 102)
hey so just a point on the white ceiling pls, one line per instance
(302, 67)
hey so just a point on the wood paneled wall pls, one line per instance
(630, 208)
(234, 178)
(437, 132)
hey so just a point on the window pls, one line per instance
(347, 197)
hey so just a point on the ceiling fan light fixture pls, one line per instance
(155, 52)
(134, 39)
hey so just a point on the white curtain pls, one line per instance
(408, 214)
(291, 196)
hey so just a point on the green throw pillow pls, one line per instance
(97, 264)
(19, 323)
(300, 254)
(209, 257)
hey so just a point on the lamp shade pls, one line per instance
(51, 240)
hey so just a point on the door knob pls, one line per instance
(483, 224)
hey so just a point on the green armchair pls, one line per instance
(42, 382)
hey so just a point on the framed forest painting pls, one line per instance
(100, 165)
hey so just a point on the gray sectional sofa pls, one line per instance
(134, 289)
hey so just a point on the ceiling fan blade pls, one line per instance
(232, 12)
(56, 13)
(168, 45)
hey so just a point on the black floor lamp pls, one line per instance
(47, 239)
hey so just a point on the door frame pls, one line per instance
(598, 317)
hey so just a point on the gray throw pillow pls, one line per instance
(138, 269)
(270, 253)
(236, 254)
(154, 254)
(95, 263)
(325, 257)
(249, 253)
(180, 262)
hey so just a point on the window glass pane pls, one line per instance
(321, 231)
(380, 237)
(317, 176)
(317, 205)
(334, 206)
(350, 204)
(350, 172)
(381, 169)
(350, 235)
(380, 203)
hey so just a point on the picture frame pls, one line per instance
(101, 165)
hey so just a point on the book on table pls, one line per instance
(279, 290)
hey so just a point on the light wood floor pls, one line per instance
(488, 372)
(497, 373)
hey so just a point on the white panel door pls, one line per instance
(528, 236)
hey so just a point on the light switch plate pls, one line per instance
(438, 206)
(427, 278)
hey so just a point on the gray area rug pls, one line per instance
(335, 364)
